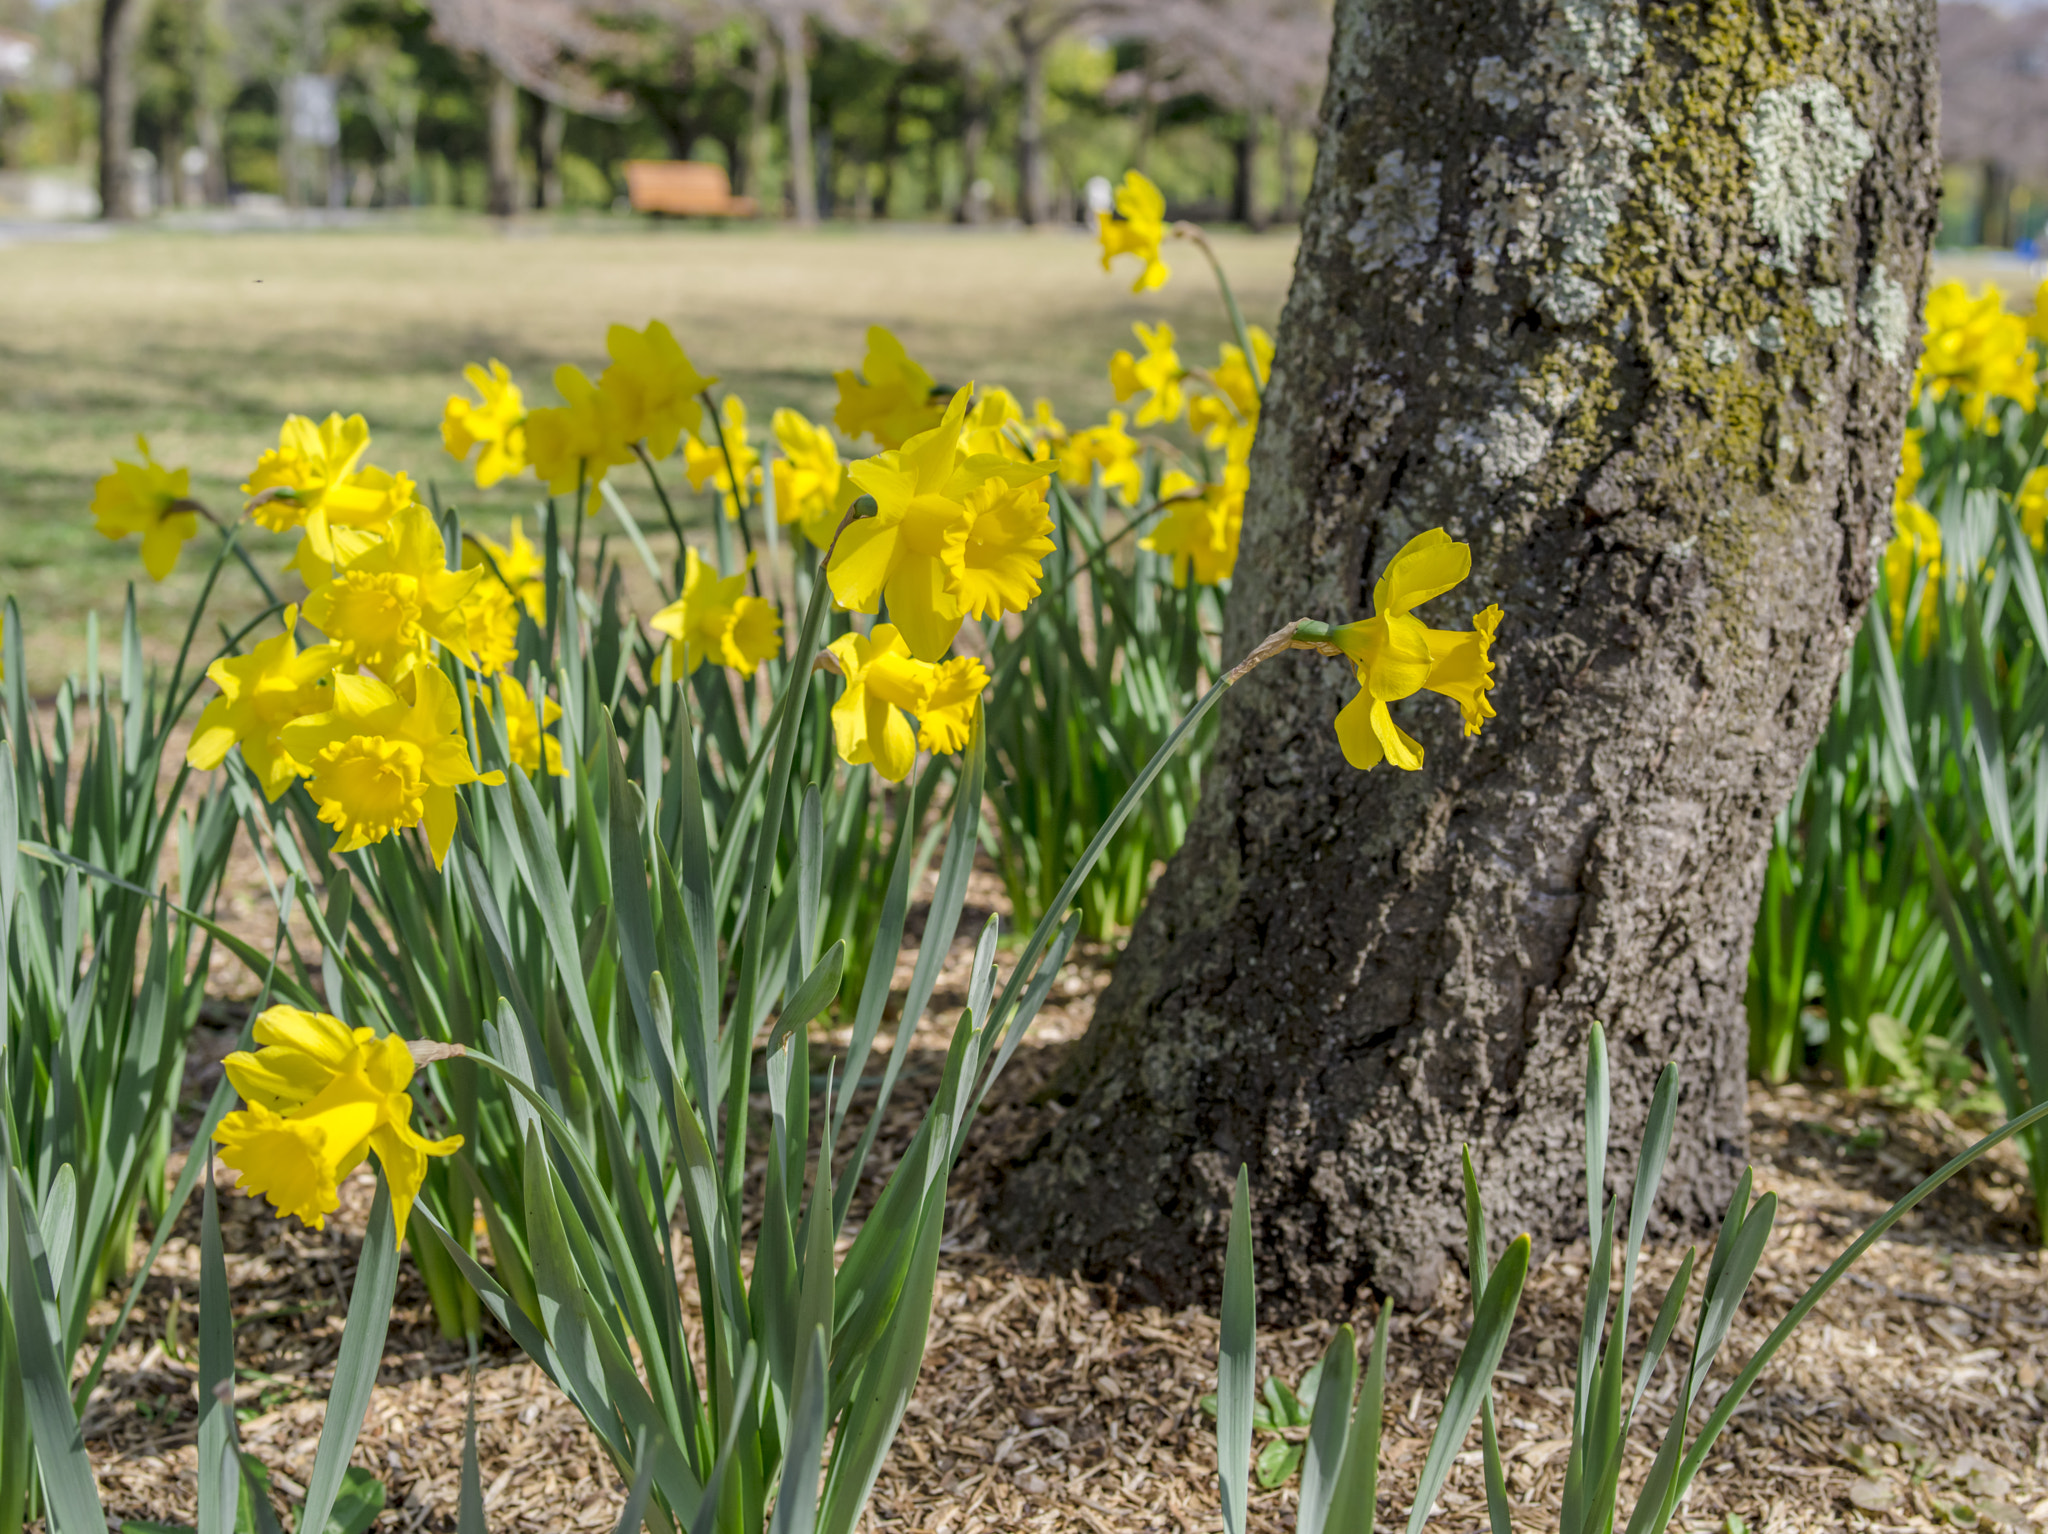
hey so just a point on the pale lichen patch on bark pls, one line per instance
(1398, 214)
(1808, 148)
(1507, 445)
(1830, 310)
(1883, 313)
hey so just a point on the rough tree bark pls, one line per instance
(1625, 295)
(121, 24)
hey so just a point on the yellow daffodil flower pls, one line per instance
(379, 763)
(1202, 526)
(884, 682)
(580, 440)
(655, 386)
(989, 420)
(2037, 322)
(1461, 666)
(996, 552)
(530, 739)
(2032, 504)
(946, 539)
(1977, 349)
(494, 421)
(1911, 467)
(516, 564)
(149, 500)
(997, 425)
(1228, 417)
(713, 463)
(1157, 375)
(891, 399)
(948, 717)
(490, 622)
(1137, 230)
(1395, 656)
(292, 478)
(811, 486)
(1107, 447)
(1916, 542)
(386, 607)
(1043, 432)
(350, 518)
(716, 619)
(272, 686)
(321, 1096)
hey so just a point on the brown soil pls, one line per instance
(1914, 1397)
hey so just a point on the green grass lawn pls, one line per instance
(205, 342)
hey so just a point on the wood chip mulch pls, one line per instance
(1915, 1397)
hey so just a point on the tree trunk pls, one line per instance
(1625, 296)
(752, 180)
(1994, 218)
(796, 74)
(554, 126)
(892, 149)
(1287, 135)
(972, 208)
(504, 145)
(1032, 204)
(121, 23)
(1244, 191)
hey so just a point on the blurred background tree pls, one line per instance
(969, 110)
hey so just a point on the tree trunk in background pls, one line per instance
(1032, 204)
(1994, 219)
(796, 74)
(554, 126)
(1244, 191)
(1287, 135)
(973, 143)
(892, 150)
(1624, 295)
(752, 179)
(206, 60)
(504, 145)
(121, 23)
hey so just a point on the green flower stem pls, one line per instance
(1193, 234)
(739, 490)
(668, 509)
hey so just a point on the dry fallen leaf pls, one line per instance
(1872, 1496)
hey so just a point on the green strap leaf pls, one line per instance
(355, 1369)
(220, 1480)
(70, 1493)
(1481, 1356)
(1354, 1504)
(1328, 1429)
(1236, 1363)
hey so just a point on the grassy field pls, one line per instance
(206, 341)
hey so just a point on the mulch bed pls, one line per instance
(1916, 1397)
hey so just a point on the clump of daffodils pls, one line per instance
(1977, 350)
(365, 718)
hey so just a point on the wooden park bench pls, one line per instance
(684, 187)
